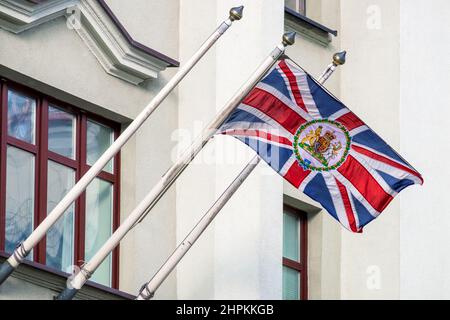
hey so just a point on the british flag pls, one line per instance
(322, 148)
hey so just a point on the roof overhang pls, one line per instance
(115, 49)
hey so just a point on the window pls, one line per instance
(295, 278)
(45, 147)
(297, 5)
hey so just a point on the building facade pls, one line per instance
(74, 73)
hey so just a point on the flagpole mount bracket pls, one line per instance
(145, 293)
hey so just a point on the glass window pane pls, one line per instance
(99, 138)
(61, 132)
(19, 197)
(21, 117)
(99, 213)
(291, 237)
(291, 284)
(296, 5)
(291, 4)
(60, 238)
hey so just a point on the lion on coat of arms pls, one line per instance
(321, 146)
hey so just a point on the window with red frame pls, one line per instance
(295, 246)
(45, 147)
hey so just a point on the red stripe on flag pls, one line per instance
(260, 134)
(347, 206)
(350, 121)
(275, 109)
(365, 183)
(295, 175)
(293, 84)
(386, 160)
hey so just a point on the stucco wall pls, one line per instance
(396, 81)
(370, 87)
(239, 256)
(153, 23)
(425, 132)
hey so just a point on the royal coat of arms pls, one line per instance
(321, 144)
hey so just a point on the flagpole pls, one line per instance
(148, 290)
(338, 59)
(172, 174)
(26, 246)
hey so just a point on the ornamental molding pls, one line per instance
(94, 22)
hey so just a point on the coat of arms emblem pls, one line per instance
(321, 144)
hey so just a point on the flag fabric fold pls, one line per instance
(318, 145)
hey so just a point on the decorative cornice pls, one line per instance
(98, 27)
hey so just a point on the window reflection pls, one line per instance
(291, 237)
(19, 197)
(99, 138)
(70, 141)
(60, 238)
(21, 117)
(99, 208)
(291, 284)
(61, 132)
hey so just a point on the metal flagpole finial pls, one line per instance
(236, 13)
(339, 58)
(289, 38)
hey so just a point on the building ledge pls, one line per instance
(55, 281)
(118, 53)
(308, 27)
(139, 46)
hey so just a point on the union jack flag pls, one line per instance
(322, 148)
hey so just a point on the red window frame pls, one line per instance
(42, 155)
(302, 266)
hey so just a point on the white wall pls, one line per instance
(196, 105)
(425, 139)
(152, 23)
(396, 79)
(370, 87)
(240, 255)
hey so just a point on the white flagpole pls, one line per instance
(148, 290)
(338, 59)
(172, 174)
(26, 246)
